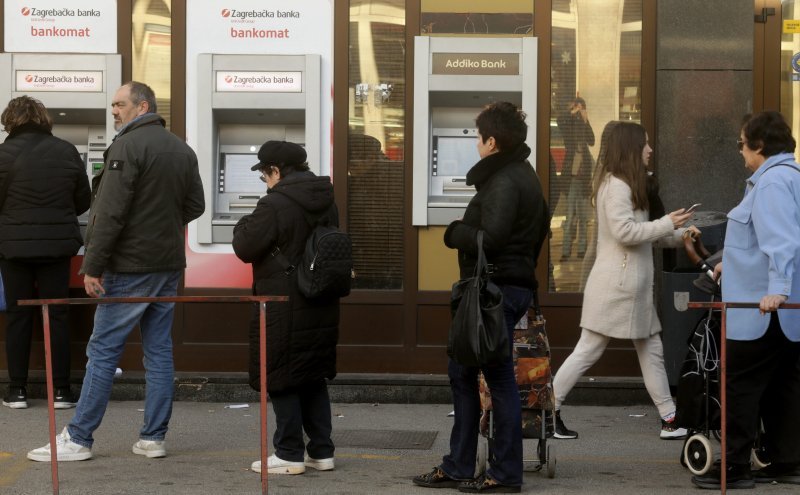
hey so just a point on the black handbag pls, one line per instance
(478, 334)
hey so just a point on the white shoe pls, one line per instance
(150, 448)
(319, 464)
(671, 432)
(275, 465)
(66, 449)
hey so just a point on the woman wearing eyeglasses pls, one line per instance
(618, 299)
(761, 263)
(302, 333)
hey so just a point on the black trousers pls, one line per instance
(763, 379)
(24, 279)
(305, 408)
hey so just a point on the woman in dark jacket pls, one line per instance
(43, 189)
(510, 208)
(301, 334)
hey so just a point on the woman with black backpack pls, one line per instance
(302, 333)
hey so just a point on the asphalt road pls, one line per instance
(210, 448)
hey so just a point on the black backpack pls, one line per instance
(326, 267)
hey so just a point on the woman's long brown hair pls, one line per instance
(623, 159)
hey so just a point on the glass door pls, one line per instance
(777, 60)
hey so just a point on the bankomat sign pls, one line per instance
(264, 82)
(58, 81)
(258, 23)
(85, 26)
(475, 64)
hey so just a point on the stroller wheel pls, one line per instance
(697, 454)
(482, 459)
(759, 458)
(551, 462)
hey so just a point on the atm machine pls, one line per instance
(453, 79)
(244, 101)
(76, 89)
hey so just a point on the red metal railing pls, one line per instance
(723, 307)
(46, 303)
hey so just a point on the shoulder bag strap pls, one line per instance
(481, 265)
(276, 253)
(796, 169)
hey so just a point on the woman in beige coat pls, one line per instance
(618, 299)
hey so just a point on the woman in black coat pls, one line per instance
(43, 189)
(301, 334)
(510, 209)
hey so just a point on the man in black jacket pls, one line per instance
(43, 189)
(147, 192)
(510, 209)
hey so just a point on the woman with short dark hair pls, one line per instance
(43, 189)
(510, 209)
(761, 263)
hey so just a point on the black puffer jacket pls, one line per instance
(301, 334)
(510, 208)
(39, 217)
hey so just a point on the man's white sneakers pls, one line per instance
(276, 465)
(150, 448)
(66, 449)
(319, 464)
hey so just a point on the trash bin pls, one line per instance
(677, 289)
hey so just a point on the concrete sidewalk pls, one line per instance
(210, 448)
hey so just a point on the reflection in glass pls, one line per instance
(152, 45)
(375, 166)
(790, 78)
(476, 18)
(595, 78)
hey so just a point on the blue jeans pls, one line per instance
(112, 325)
(505, 463)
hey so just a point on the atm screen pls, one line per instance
(454, 156)
(236, 176)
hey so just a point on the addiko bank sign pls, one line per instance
(82, 26)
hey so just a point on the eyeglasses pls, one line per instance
(740, 144)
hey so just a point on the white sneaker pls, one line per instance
(66, 449)
(275, 465)
(150, 448)
(319, 464)
(671, 432)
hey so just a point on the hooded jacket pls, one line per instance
(510, 208)
(301, 334)
(39, 215)
(146, 193)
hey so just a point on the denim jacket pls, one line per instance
(762, 249)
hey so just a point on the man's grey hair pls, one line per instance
(142, 92)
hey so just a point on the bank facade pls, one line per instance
(375, 89)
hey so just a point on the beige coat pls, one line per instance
(618, 299)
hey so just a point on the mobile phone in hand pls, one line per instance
(693, 207)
